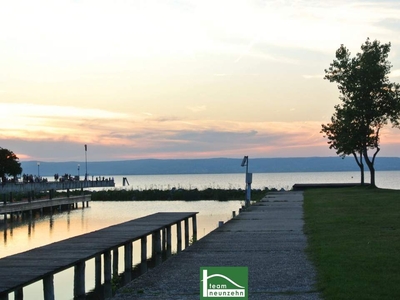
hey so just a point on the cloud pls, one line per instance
(395, 73)
(57, 133)
(143, 62)
(196, 109)
(211, 137)
(182, 139)
(41, 122)
(54, 111)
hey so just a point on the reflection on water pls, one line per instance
(34, 231)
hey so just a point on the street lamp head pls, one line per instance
(244, 161)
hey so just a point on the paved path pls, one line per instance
(268, 238)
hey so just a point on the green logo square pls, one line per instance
(223, 283)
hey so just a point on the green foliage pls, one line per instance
(192, 240)
(345, 138)
(116, 282)
(369, 101)
(353, 238)
(9, 163)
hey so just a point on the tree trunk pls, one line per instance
(360, 165)
(371, 171)
(370, 164)
(362, 174)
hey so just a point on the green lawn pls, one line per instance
(354, 241)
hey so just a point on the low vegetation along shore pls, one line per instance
(151, 195)
(354, 241)
(177, 194)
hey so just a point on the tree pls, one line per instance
(9, 164)
(344, 138)
(369, 102)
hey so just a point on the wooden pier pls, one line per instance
(20, 270)
(25, 187)
(32, 205)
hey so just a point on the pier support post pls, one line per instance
(128, 256)
(4, 297)
(164, 240)
(79, 279)
(115, 256)
(128, 262)
(169, 243)
(143, 262)
(107, 274)
(48, 287)
(97, 271)
(194, 228)
(153, 245)
(107, 290)
(179, 236)
(186, 232)
(19, 294)
(158, 247)
(107, 266)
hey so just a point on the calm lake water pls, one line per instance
(28, 234)
(25, 235)
(384, 179)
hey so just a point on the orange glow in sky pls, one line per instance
(181, 79)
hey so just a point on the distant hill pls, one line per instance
(206, 166)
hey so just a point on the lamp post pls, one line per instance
(249, 179)
(86, 162)
(38, 169)
(79, 167)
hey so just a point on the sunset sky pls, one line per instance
(179, 79)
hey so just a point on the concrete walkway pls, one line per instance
(268, 238)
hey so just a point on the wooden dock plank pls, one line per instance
(27, 267)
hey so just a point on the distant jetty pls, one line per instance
(26, 187)
(305, 186)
